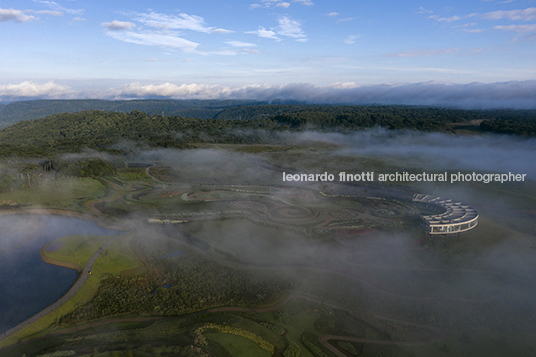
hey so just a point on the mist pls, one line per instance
(476, 95)
(479, 283)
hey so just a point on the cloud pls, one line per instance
(28, 89)
(154, 39)
(49, 12)
(517, 28)
(264, 33)
(516, 94)
(444, 19)
(55, 6)
(331, 14)
(278, 3)
(118, 25)
(523, 15)
(180, 22)
(221, 31)
(351, 39)
(76, 19)
(14, 15)
(304, 2)
(422, 10)
(240, 44)
(423, 53)
(470, 96)
(528, 32)
(163, 36)
(290, 28)
(473, 30)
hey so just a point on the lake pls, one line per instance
(27, 283)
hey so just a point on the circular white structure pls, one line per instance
(457, 217)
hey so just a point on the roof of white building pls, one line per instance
(455, 212)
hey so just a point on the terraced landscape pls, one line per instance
(216, 268)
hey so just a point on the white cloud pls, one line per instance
(138, 90)
(517, 28)
(222, 31)
(76, 19)
(304, 2)
(473, 30)
(118, 25)
(524, 15)
(351, 39)
(422, 10)
(264, 33)
(423, 53)
(180, 22)
(55, 6)
(444, 19)
(526, 32)
(240, 44)
(283, 4)
(343, 85)
(331, 14)
(278, 3)
(516, 94)
(289, 27)
(473, 95)
(30, 89)
(154, 39)
(49, 12)
(14, 15)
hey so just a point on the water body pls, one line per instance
(27, 283)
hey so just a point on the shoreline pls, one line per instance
(58, 263)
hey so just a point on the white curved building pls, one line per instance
(457, 217)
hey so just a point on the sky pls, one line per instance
(478, 53)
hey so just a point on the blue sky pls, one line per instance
(265, 48)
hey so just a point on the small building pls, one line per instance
(456, 217)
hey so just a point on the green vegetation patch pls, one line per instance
(77, 249)
(238, 346)
(63, 193)
(117, 258)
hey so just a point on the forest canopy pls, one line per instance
(106, 130)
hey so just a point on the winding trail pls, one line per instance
(147, 172)
(436, 333)
(68, 295)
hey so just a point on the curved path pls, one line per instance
(147, 172)
(69, 294)
(438, 334)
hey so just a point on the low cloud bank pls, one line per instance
(515, 94)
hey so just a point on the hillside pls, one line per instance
(36, 109)
(101, 130)
(110, 130)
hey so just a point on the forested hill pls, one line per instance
(103, 130)
(37, 109)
